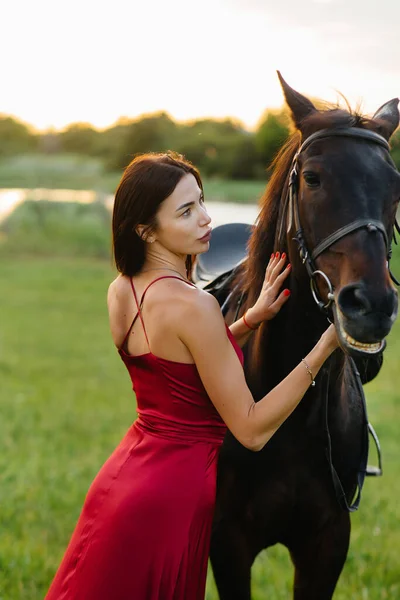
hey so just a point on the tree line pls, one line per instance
(220, 148)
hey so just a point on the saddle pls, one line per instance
(228, 249)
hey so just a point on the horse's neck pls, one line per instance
(296, 330)
(287, 339)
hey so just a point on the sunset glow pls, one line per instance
(95, 62)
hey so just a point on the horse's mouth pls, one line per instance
(361, 346)
(351, 344)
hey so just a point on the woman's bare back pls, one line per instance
(160, 312)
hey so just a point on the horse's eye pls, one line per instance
(311, 179)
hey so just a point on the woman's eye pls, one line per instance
(311, 179)
(186, 213)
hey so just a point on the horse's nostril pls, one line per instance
(356, 300)
(362, 299)
(353, 301)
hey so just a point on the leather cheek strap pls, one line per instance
(343, 231)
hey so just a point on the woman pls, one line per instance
(144, 530)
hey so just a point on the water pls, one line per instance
(220, 212)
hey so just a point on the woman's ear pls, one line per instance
(145, 234)
(139, 230)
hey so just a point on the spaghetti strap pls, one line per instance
(139, 312)
(158, 279)
(139, 304)
(122, 346)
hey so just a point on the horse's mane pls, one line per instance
(261, 244)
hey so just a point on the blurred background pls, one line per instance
(86, 86)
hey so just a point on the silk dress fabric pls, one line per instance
(145, 527)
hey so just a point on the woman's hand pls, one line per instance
(270, 301)
(329, 339)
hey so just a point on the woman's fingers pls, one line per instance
(282, 276)
(270, 299)
(279, 302)
(276, 266)
(272, 262)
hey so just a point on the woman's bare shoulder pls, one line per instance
(195, 307)
(192, 298)
(121, 281)
(180, 303)
(119, 288)
(186, 300)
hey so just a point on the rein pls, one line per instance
(362, 469)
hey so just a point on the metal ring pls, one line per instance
(314, 290)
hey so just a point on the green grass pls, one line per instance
(43, 228)
(66, 401)
(76, 172)
(56, 171)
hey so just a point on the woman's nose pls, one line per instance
(205, 218)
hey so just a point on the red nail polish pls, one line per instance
(277, 255)
(272, 255)
(289, 266)
(283, 255)
(286, 293)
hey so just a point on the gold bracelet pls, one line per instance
(308, 371)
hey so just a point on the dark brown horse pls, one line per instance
(332, 196)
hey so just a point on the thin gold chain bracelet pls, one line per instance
(308, 371)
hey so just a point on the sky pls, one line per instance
(94, 61)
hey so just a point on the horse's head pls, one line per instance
(341, 206)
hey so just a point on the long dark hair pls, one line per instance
(147, 181)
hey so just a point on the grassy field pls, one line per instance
(65, 171)
(76, 172)
(66, 401)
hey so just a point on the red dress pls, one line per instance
(144, 531)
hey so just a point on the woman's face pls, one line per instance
(182, 220)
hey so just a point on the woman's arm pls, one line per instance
(240, 331)
(202, 330)
(269, 302)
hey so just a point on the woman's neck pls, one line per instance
(161, 264)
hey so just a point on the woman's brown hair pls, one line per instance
(147, 181)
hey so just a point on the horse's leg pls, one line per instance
(231, 560)
(319, 560)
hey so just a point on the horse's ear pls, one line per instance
(387, 118)
(300, 106)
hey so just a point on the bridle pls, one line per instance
(293, 214)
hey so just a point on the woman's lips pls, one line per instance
(206, 238)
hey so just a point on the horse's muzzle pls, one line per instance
(364, 316)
